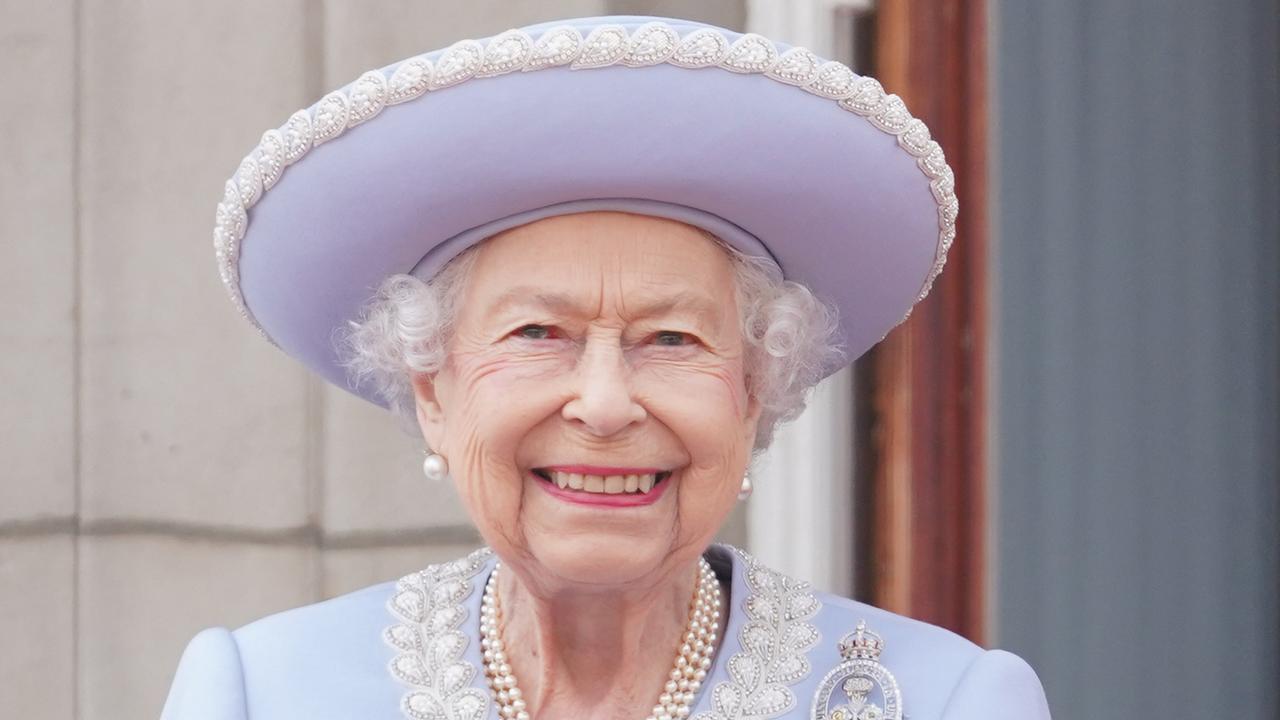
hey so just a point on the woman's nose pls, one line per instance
(603, 402)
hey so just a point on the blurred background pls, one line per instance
(1070, 451)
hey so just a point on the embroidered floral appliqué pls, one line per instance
(431, 607)
(775, 639)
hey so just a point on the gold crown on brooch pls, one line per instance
(861, 644)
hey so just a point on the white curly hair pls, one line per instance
(789, 336)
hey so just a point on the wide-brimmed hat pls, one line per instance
(776, 151)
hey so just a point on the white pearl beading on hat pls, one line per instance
(692, 663)
(650, 44)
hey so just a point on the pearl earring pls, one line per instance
(745, 492)
(435, 467)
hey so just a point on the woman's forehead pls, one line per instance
(597, 263)
(596, 247)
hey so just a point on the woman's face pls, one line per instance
(593, 354)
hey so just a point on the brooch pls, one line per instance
(860, 688)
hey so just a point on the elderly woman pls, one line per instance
(597, 262)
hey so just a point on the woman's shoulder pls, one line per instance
(906, 641)
(330, 659)
(320, 660)
(937, 673)
(339, 619)
(941, 673)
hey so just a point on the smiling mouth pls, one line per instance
(628, 484)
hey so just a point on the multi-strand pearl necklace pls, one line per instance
(693, 658)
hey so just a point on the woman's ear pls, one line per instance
(430, 414)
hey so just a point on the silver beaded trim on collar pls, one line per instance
(606, 45)
(774, 644)
(429, 639)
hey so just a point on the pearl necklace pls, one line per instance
(693, 658)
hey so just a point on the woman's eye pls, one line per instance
(672, 338)
(534, 332)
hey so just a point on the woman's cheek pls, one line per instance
(514, 361)
(704, 503)
(489, 382)
(702, 406)
(495, 399)
(710, 390)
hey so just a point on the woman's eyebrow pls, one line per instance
(524, 295)
(691, 303)
(695, 304)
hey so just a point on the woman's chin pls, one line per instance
(604, 560)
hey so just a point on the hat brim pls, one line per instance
(839, 202)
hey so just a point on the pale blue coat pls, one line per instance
(385, 651)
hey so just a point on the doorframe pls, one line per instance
(922, 413)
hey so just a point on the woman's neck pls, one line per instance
(591, 653)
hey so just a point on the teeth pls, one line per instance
(606, 484)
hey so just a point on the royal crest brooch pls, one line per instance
(860, 688)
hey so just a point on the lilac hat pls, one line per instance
(774, 150)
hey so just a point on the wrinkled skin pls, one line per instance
(599, 338)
